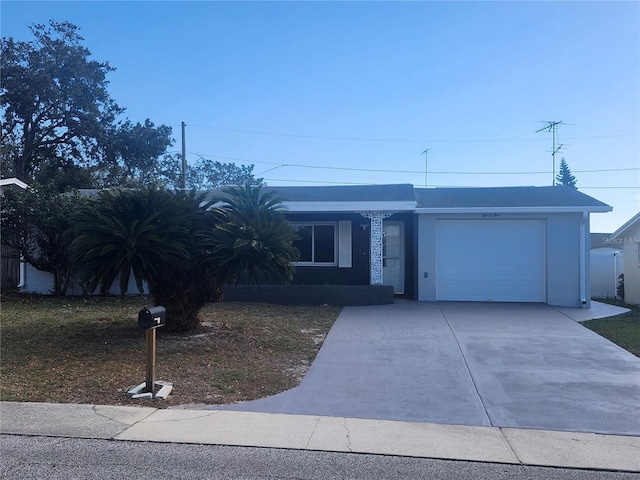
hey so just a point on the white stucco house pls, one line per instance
(627, 238)
(502, 244)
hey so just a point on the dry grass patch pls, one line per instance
(91, 351)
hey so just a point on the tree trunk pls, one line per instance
(184, 296)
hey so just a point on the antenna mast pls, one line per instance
(552, 127)
(425, 153)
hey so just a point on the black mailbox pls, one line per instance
(152, 317)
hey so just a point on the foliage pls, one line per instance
(131, 152)
(124, 231)
(254, 237)
(183, 248)
(154, 234)
(58, 120)
(54, 99)
(209, 174)
(36, 222)
(564, 176)
(620, 287)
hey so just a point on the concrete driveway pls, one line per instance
(501, 365)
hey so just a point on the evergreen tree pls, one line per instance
(564, 176)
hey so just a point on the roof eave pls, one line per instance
(626, 226)
(319, 207)
(554, 209)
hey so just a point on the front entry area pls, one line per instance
(393, 255)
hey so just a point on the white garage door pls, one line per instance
(491, 260)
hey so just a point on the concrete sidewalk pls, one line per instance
(335, 434)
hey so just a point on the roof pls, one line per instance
(406, 198)
(635, 219)
(346, 193)
(344, 198)
(542, 199)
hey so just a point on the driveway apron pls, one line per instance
(536, 368)
(506, 365)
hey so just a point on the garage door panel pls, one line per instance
(491, 260)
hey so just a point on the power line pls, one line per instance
(370, 170)
(320, 182)
(393, 140)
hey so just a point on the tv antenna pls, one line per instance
(552, 126)
(426, 157)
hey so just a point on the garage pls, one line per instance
(500, 260)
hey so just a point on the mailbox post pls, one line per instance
(150, 377)
(150, 319)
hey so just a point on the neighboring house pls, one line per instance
(606, 265)
(11, 265)
(11, 183)
(627, 237)
(503, 244)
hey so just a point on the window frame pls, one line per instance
(313, 263)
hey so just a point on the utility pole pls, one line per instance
(552, 127)
(184, 158)
(426, 159)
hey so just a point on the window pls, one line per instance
(317, 243)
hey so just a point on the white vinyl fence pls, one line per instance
(605, 269)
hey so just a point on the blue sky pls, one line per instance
(317, 93)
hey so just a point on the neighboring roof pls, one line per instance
(399, 197)
(5, 182)
(522, 199)
(626, 226)
(600, 240)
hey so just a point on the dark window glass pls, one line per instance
(304, 243)
(324, 245)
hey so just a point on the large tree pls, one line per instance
(564, 176)
(36, 223)
(59, 122)
(131, 153)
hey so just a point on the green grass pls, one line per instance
(91, 350)
(623, 330)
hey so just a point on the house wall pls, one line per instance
(562, 247)
(358, 273)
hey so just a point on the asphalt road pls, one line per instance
(32, 457)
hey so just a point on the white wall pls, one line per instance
(630, 247)
(605, 268)
(39, 282)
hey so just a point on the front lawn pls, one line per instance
(623, 330)
(90, 350)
